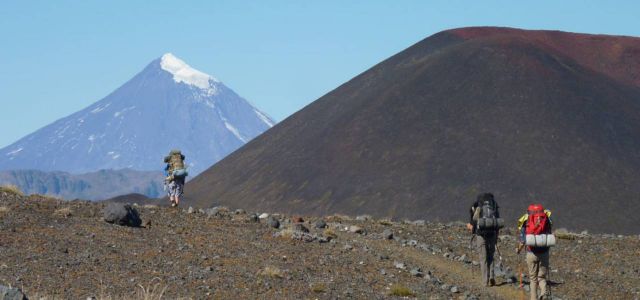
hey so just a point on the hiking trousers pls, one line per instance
(538, 265)
(486, 246)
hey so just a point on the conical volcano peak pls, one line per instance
(184, 73)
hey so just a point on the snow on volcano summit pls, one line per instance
(184, 73)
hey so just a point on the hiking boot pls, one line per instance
(492, 282)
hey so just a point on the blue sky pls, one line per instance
(57, 57)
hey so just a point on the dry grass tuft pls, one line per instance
(339, 218)
(45, 197)
(318, 288)
(154, 291)
(11, 189)
(401, 290)
(385, 222)
(271, 271)
(64, 212)
(330, 233)
(564, 234)
(286, 233)
(4, 209)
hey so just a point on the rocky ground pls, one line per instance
(54, 249)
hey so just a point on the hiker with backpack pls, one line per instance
(175, 173)
(535, 235)
(484, 224)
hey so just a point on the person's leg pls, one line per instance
(533, 264)
(491, 250)
(481, 245)
(542, 272)
(179, 191)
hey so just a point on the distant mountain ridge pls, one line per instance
(168, 105)
(98, 185)
(532, 116)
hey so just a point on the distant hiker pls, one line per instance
(484, 224)
(175, 173)
(535, 234)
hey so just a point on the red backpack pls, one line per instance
(538, 222)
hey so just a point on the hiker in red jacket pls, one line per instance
(534, 228)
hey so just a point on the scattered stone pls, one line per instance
(215, 211)
(348, 247)
(419, 222)
(383, 272)
(363, 218)
(121, 214)
(321, 224)
(239, 211)
(445, 287)
(263, 216)
(412, 243)
(384, 257)
(300, 227)
(190, 210)
(387, 234)
(297, 220)
(272, 222)
(7, 293)
(399, 265)
(303, 236)
(324, 239)
(417, 272)
(454, 289)
(355, 229)
(253, 218)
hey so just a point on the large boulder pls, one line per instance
(121, 214)
(7, 293)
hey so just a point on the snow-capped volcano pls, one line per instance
(167, 105)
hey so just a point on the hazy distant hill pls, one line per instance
(533, 116)
(99, 185)
(168, 105)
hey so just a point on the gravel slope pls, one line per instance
(56, 249)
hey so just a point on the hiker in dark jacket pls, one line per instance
(176, 174)
(485, 208)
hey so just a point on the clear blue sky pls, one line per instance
(57, 57)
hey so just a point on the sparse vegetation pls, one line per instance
(287, 233)
(271, 271)
(401, 290)
(11, 189)
(385, 222)
(564, 234)
(64, 212)
(47, 197)
(330, 233)
(318, 288)
(154, 291)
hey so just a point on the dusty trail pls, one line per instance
(451, 271)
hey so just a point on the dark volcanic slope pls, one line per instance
(540, 116)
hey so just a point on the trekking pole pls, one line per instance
(471, 250)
